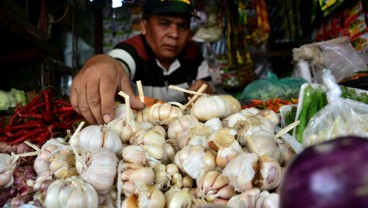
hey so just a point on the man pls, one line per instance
(162, 55)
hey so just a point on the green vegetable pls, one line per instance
(20, 96)
(11, 99)
(304, 113)
(4, 101)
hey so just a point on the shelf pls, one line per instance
(20, 38)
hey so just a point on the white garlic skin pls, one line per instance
(177, 198)
(98, 136)
(164, 113)
(180, 124)
(100, 169)
(194, 160)
(71, 192)
(6, 170)
(240, 171)
(213, 186)
(207, 107)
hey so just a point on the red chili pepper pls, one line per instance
(26, 136)
(28, 125)
(46, 98)
(61, 102)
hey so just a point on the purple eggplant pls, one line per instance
(332, 174)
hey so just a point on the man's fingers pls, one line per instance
(126, 87)
(94, 100)
(107, 95)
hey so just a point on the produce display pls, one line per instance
(206, 153)
(314, 99)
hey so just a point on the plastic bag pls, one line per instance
(273, 87)
(338, 55)
(340, 117)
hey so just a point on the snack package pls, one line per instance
(340, 117)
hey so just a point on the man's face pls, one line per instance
(166, 35)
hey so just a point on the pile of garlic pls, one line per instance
(210, 153)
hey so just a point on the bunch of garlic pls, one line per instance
(131, 174)
(42, 161)
(207, 107)
(146, 196)
(195, 160)
(223, 141)
(62, 163)
(196, 134)
(214, 188)
(98, 168)
(248, 170)
(254, 198)
(178, 125)
(7, 167)
(169, 176)
(164, 113)
(71, 192)
(176, 198)
(124, 128)
(152, 141)
(94, 137)
(263, 142)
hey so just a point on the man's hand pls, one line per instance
(94, 88)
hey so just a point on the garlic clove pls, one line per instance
(176, 198)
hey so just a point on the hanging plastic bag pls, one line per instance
(340, 117)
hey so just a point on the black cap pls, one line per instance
(176, 7)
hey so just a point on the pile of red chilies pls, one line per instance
(42, 118)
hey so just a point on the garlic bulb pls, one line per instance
(169, 153)
(270, 115)
(234, 103)
(146, 197)
(194, 160)
(62, 163)
(287, 151)
(263, 143)
(99, 169)
(251, 110)
(164, 113)
(7, 167)
(270, 173)
(214, 123)
(42, 161)
(143, 115)
(135, 154)
(98, 136)
(169, 176)
(213, 186)
(207, 107)
(268, 200)
(124, 128)
(226, 145)
(248, 170)
(132, 173)
(71, 192)
(180, 124)
(254, 198)
(197, 134)
(251, 124)
(120, 111)
(247, 198)
(177, 198)
(152, 141)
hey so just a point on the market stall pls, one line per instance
(261, 140)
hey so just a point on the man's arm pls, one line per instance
(94, 88)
